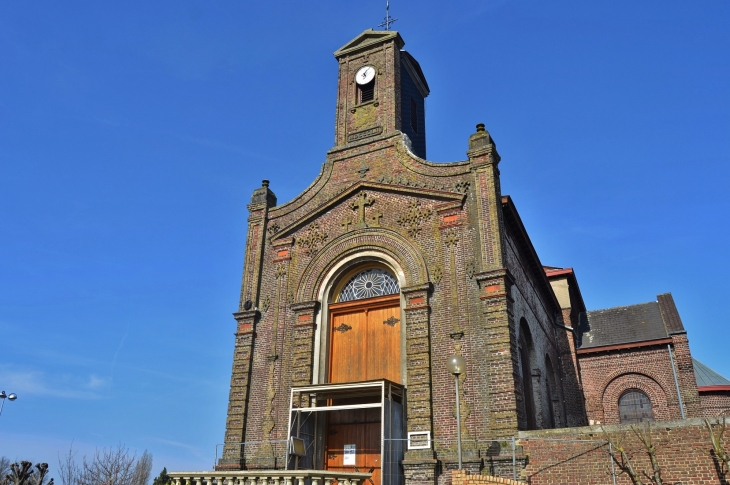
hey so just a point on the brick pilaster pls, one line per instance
(303, 342)
(418, 362)
(232, 458)
(686, 375)
(500, 350)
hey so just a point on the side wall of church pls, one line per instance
(529, 307)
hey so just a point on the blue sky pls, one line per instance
(132, 136)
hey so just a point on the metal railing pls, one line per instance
(505, 456)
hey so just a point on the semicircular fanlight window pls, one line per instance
(369, 283)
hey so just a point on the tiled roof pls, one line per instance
(670, 315)
(622, 325)
(706, 376)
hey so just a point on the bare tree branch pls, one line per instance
(112, 466)
(4, 469)
(644, 435)
(23, 474)
(717, 445)
(623, 461)
(68, 470)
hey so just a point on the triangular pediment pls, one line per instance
(368, 39)
(455, 198)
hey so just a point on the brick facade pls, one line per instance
(471, 284)
(468, 275)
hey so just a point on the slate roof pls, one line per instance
(706, 376)
(621, 325)
(630, 324)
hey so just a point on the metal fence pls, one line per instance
(504, 455)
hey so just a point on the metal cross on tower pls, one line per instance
(388, 19)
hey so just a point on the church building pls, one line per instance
(357, 292)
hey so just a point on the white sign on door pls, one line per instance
(349, 457)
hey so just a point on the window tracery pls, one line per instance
(369, 283)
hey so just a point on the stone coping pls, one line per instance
(597, 430)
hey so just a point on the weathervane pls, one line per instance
(388, 19)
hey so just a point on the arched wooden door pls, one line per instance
(364, 344)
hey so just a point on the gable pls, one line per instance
(441, 198)
(368, 39)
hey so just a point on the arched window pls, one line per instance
(527, 351)
(368, 284)
(634, 407)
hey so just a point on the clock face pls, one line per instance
(365, 75)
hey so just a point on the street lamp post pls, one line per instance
(456, 365)
(12, 396)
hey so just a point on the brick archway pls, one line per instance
(380, 240)
(641, 382)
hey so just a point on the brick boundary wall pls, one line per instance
(463, 477)
(685, 454)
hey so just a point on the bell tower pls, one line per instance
(381, 90)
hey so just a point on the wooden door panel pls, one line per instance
(365, 437)
(384, 343)
(347, 357)
(366, 343)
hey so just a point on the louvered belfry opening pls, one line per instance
(366, 92)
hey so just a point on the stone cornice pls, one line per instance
(422, 287)
(304, 305)
(246, 315)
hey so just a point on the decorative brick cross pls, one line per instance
(347, 223)
(363, 169)
(359, 205)
(375, 217)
